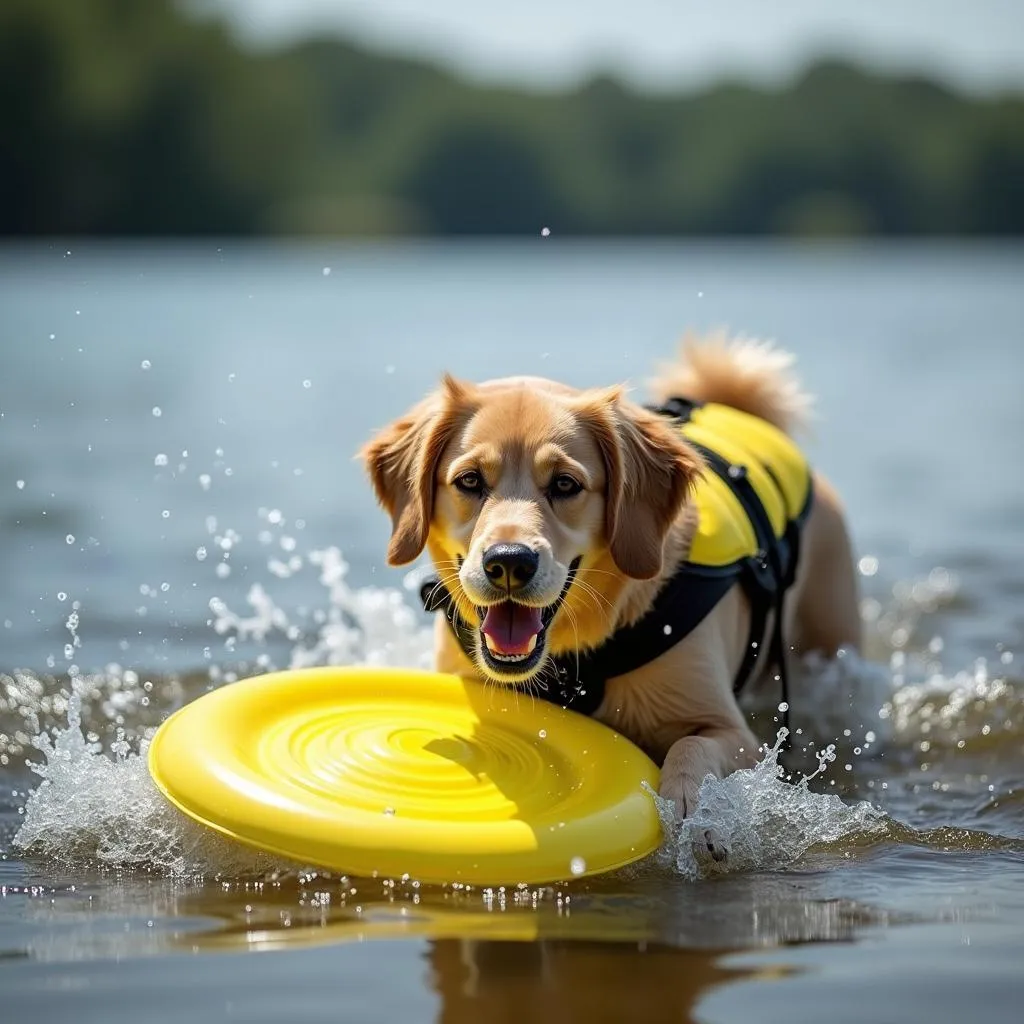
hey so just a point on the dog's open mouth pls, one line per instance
(512, 636)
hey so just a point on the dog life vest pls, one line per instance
(753, 502)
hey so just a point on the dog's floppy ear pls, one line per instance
(650, 468)
(402, 461)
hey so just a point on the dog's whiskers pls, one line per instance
(586, 590)
(441, 584)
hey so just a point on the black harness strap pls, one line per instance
(766, 577)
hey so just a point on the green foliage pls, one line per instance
(123, 117)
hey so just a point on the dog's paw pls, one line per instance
(683, 792)
(681, 785)
(708, 844)
(714, 846)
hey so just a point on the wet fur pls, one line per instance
(632, 525)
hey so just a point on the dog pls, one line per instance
(591, 550)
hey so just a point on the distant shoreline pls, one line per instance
(137, 121)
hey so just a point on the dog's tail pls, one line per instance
(750, 375)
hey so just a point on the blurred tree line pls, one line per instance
(127, 117)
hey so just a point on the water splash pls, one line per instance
(104, 809)
(366, 625)
(100, 805)
(759, 821)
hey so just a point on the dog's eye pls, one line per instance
(565, 486)
(470, 483)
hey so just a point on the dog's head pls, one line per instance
(538, 504)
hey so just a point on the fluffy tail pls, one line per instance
(747, 374)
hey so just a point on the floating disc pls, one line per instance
(398, 771)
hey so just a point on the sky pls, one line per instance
(977, 44)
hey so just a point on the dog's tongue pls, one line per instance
(511, 626)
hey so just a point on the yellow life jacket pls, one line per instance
(775, 467)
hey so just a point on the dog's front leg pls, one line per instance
(689, 760)
(714, 752)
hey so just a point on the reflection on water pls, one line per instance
(597, 952)
(72, 921)
(565, 981)
(638, 948)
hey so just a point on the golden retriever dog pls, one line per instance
(560, 520)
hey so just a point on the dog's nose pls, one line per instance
(510, 566)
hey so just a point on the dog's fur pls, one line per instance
(631, 523)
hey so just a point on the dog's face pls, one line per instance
(538, 504)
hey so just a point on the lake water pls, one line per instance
(179, 505)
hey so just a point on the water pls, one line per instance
(179, 505)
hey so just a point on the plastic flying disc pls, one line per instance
(409, 772)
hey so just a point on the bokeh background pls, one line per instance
(335, 117)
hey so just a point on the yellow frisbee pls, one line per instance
(398, 771)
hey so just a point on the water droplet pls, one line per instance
(20, 484)
(165, 587)
(201, 554)
(869, 737)
(274, 516)
(145, 364)
(868, 565)
(62, 596)
(389, 812)
(307, 383)
(545, 232)
(157, 411)
(667, 630)
(783, 706)
(166, 513)
(160, 460)
(326, 271)
(70, 538)
(543, 734)
(223, 570)
(577, 865)
(204, 481)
